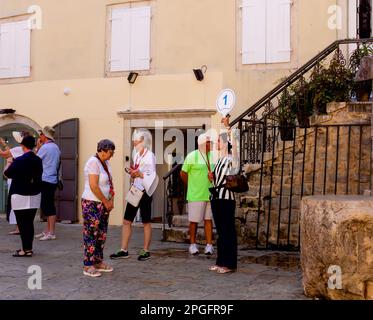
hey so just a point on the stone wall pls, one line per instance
(325, 172)
(337, 247)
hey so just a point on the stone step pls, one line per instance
(183, 222)
(180, 234)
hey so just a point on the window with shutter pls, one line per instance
(266, 31)
(23, 49)
(120, 39)
(7, 50)
(140, 39)
(253, 31)
(15, 49)
(130, 39)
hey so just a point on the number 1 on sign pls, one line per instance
(225, 99)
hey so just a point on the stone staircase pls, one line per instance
(280, 183)
(180, 230)
(288, 173)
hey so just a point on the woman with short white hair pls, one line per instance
(143, 169)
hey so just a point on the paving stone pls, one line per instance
(170, 274)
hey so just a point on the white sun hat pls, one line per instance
(17, 136)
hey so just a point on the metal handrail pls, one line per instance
(298, 74)
(168, 174)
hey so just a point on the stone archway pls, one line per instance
(13, 118)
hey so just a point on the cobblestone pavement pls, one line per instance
(170, 274)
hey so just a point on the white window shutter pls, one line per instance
(7, 50)
(120, 39)
(140, 38)
(278, 31)
(253, 31)
(22, 49)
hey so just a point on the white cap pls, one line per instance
(203, 138)
(17, 136)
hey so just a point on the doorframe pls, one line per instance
(13, 118)
(178, 119)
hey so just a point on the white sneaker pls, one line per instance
(209, 249)
(40, 235)
(193, 249)
(48, 236)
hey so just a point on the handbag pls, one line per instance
(237, 183)
(134, 196)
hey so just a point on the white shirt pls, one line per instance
(20, 202)
(94, 166)
(146, 164)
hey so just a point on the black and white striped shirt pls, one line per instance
(223, 168)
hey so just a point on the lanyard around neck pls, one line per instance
(138, 160)
(206, 161)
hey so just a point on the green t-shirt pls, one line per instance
(198, 182)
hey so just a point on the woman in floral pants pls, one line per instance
(97, 202)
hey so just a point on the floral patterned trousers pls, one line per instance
(94, 231)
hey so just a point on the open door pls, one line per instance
(67, 138)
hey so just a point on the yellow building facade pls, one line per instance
(72, 74)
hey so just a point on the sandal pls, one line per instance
(224, 270)
(92, 272)
(104, 268)
(214, 268)
(13, 233)
(25, 253)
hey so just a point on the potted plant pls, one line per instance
(361, 89)
(302, 102)
(331, 84)
(286, 116)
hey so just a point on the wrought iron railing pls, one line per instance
(174, 190)
(319, 160)
(265, 112)
(299, 159)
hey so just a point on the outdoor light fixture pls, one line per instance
(199, 73)
(7, 111)
(132, 77)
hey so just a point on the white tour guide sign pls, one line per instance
(226, 101)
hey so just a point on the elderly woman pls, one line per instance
(223, 203)
(10, 154)
(143, 167)
(25, 192)
(97, 202)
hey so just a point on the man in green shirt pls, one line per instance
(197, 174)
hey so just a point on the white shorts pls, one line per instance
(199, 211)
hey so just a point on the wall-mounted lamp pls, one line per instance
(7, 111)
(132, 77)
(199, 73)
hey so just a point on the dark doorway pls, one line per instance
(365, 19)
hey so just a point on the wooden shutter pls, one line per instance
(120, 39)
(253, 31)
(140, 38)
(23, 49)
(67, 200)
(278, 31)
(7, 50)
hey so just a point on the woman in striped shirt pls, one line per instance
(223, 204)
